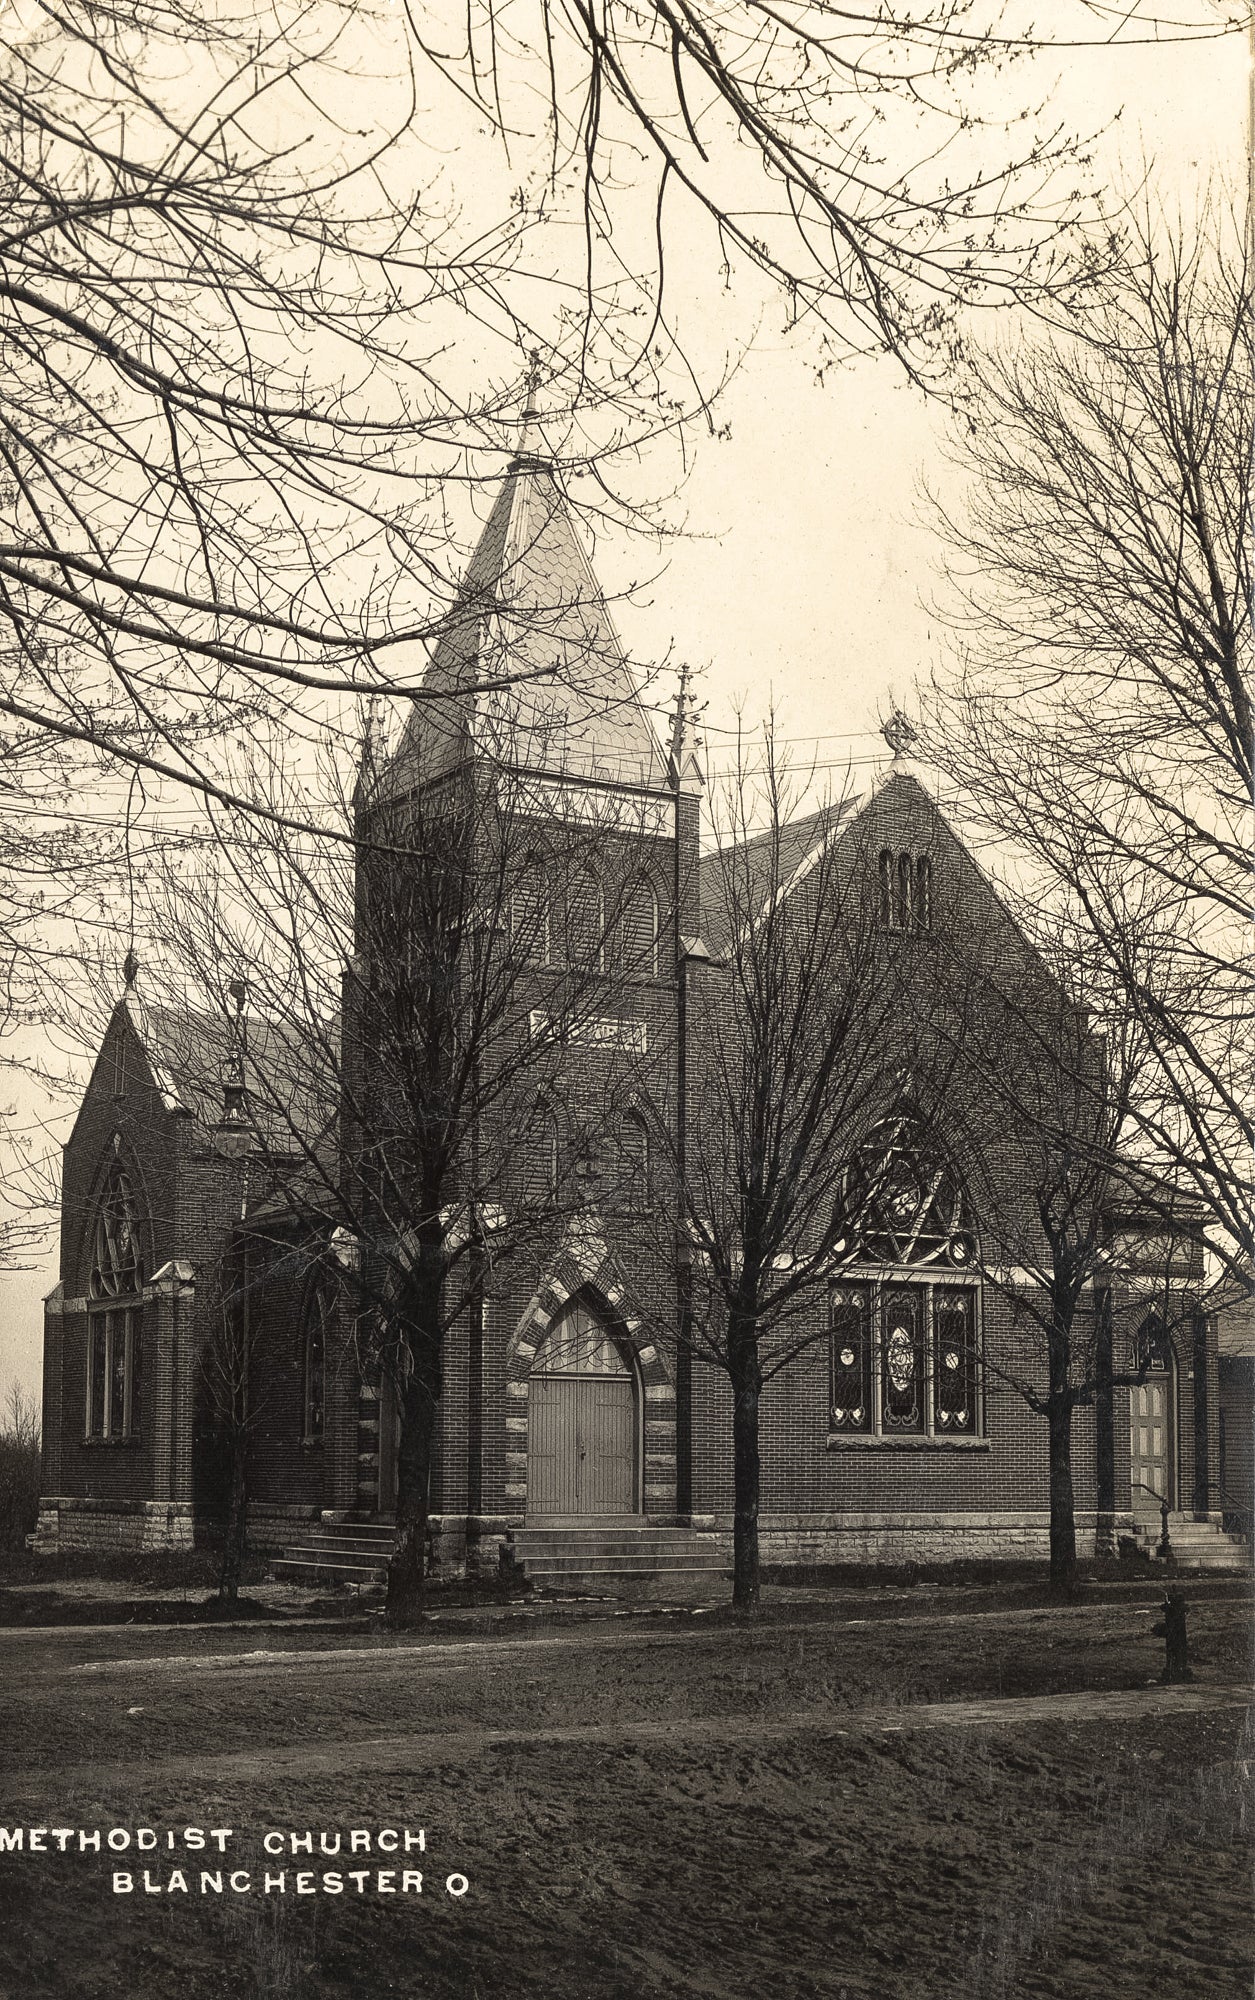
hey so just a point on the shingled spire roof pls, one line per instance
(530, 610)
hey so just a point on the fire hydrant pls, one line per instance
(1176, 1644)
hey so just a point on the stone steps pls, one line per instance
(347, 1552)
(636, 1560)
(1195, 1544)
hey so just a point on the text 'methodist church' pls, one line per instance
(892, 1436)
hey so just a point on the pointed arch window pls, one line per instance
(585, 921)
(578, 1344)
(315, 1342)
(631, 1163)
(114, 1314)
(638, 931)
(529, 914)
(905, 890)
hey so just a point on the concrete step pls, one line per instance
(1195, 1544)
(626, 1560)
(345, 1545)
(676, 1586)
(310, 1567)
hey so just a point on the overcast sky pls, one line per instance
(809, 566)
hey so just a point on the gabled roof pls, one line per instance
(289, 1080)
(530, 610)
(754, 864)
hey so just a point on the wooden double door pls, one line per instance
(583, 1425)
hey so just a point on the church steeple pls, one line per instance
(529, 670)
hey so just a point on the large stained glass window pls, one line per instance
(114, 1316)
(905, 1336)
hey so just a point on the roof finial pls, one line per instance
(683, 747)
(899, 733)
(130, 968)
(531, 390)
(529, 416)
(679, 718)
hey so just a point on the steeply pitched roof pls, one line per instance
(530, 610)
(745, 871)
(289, 1079)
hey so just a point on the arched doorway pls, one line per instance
(1152, 1428)
(583, 1425)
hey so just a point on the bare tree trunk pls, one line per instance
(747, 1382)
(1059, 1425)
(419, 1403)
(1062, 1509)
(235, 1535)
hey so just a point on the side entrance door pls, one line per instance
(582, 1424)
(1151, 1445)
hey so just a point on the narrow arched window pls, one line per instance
(529, 915)
(114, 1316)
(632, 1162)
(902, 899)
(314, 1345)
(585, 921)
(886, 888)
(638, 931)
(922, 898)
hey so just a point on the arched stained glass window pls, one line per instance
(115, 1291)
(905, 1338)
(116, 1266)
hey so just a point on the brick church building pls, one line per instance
(569, 1401)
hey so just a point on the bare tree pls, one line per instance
(794, 1060)
(228, 455)
(1101, 723)
(19, 1466)
(1057, 1089)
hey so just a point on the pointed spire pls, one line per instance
(683, 759)
(370, 756)
(529, 451)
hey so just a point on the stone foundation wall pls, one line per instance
(801, 1541)
(112, 1526)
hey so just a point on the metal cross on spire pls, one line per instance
(899, 732)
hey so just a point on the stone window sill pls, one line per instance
(132, 1438)
(864, 1441)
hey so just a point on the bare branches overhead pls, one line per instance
(1102, 721)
